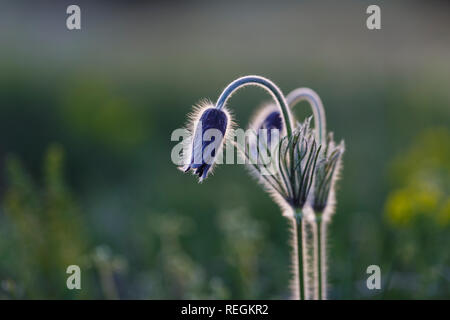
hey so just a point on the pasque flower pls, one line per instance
(266, 128)
(326, 174)
(268, 118)
(216, 117)
(323, 196)
(209, 133)
(288, 176)
(305, 167)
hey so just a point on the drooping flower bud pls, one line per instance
(267, 118)
(209, 133)
(266, 131)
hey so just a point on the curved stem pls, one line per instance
(302, 94)
(306, 94)
(266, 84)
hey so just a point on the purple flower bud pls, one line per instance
(261, 146)
(208, 138)
(267, 118)
(272, 121)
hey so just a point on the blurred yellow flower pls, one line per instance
(399, 208)
(423, 173)
(444, 214)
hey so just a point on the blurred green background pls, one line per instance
(85, 170)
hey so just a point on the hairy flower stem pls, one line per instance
(319, 257)
(306, 94)
(298, 248)
(276, 94)
(266, 84)
(323, 260)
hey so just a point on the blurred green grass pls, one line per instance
(108, 198)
